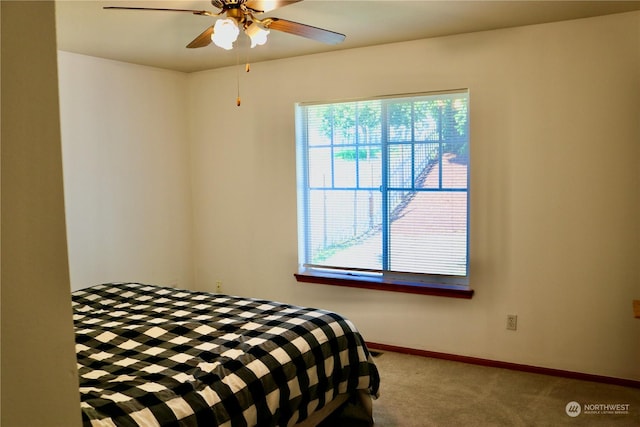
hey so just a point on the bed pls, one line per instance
(158, 356)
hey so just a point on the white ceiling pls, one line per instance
(159, 38)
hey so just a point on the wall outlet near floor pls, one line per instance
(219, 286)
(512, 322)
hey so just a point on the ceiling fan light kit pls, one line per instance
(225, 32)
(257, 35)
(240, 14)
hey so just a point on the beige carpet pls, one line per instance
(419, 391)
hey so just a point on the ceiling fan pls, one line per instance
(239, 15)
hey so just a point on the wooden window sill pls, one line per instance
(451, 291)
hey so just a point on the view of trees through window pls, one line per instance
(386, 184)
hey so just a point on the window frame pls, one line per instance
(416, 283)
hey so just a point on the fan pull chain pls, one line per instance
(247, 67)
(238, 99)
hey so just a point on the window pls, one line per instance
(383, 192)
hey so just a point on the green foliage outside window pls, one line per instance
(432, 120)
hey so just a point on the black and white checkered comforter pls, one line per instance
(151, 356)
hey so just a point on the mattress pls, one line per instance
(156, 356)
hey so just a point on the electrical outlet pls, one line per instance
(512, 322)
(219, 286)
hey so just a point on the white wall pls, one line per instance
(39, 376)
(126, 172)
(554, 180)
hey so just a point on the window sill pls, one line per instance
(451, 291)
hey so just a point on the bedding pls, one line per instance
(156, 356)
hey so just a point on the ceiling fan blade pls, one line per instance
(314, 33)
(195, 12)
(202, 40)
(268, 5)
